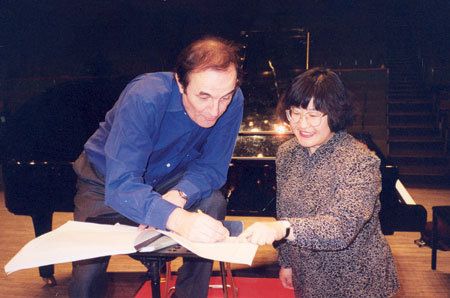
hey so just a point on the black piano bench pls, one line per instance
(154, 261)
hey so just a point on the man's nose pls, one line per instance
(214, 108)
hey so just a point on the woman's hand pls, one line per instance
(286, 278)
(263, 233)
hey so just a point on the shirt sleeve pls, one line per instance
(349, 210)
(209, 171)
(127, 149)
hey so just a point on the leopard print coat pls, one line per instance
(331, 199)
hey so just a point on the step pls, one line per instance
(410, 152)
(404, 67)
(402, 95)
(400, 57)
(400, 60)
(405, 93)
(401, 82)
(437, 181)
(408, 90)
(395, 75)
(441, 171)
(416, 149)
(411, 118)
(419, 139)
(410, 107)
(416, 130)
(406, 87)
(412, 113)
(408, 100)
(422, 162)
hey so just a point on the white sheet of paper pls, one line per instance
(75, 241)
(227, 251)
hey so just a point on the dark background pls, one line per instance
(67, 61)
(49, 39)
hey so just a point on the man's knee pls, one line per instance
(215, 205)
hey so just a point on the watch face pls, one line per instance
(182, 195)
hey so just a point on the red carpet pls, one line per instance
(247, 288)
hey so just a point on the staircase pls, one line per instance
(415, 142)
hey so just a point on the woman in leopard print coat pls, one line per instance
(328, 186)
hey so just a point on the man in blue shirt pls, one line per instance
(161, 154)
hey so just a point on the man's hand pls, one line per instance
(196, 227)
(263, 233)
(286, 278)
(174, 197)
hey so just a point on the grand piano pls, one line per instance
(47, 134)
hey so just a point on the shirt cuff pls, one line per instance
(159, 213)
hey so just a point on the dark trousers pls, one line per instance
(89, 276)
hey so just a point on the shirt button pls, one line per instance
(168, 165)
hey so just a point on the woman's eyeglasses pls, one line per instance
(313, 118)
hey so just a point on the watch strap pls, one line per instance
(287, 225)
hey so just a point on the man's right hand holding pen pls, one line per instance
(196, 226)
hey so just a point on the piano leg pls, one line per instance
(42, 224)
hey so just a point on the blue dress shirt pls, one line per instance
(148, 136)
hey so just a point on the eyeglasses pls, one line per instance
(313, 118)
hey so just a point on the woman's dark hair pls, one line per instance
(328, 92)
(206, 53)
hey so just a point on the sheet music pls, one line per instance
(75, 241)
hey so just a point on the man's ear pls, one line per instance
(180, 86)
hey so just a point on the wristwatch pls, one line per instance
(182, 195)
(287, 225)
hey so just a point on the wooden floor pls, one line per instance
(126, 275)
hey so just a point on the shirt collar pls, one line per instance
(175, 103)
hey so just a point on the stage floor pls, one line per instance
(127, 275)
